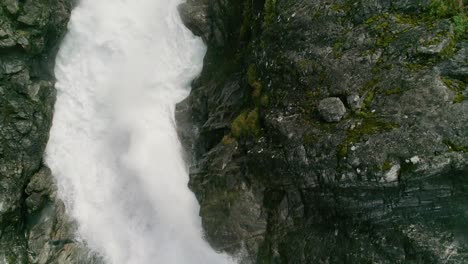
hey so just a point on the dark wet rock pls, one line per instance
(354, 102)
(31, 216)
(194, 14)
(331, 109)
(11, 6)
(51, 233)
(385, 184)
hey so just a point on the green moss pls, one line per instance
(450, 49)
(408, 20)
(454, 147)
(368, 127)
(265, 100)
(444, 8)
(270, 12)
(338, 49)
(461, 26)
(459, 97)
(381, 26)
(396, 90)
(336, 7)
(246, 125)
(387, 165)
(228, 140)
(252, 76)
(257, 92)
(12, 259)
(246, 19)
(364, 114)
(415, 67)
(369, 98)
(456, 86)
(310, 139)
(453, 84)
(384, 40)
(306, 65)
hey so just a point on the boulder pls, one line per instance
(332, 109)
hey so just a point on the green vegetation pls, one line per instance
(450, 49)
(246, 19)
(461, 25)
(228, 140)
(252, 74)
(246, 125)
(387, 165)
(453, 9)
(369, 98)
(381, 25)
(455, 147)
(369, 126)
(255, 84)
(415, 67)
(396, 90)
(445, 8)
(270, 12)
(257, 92)
(459, 97)
(338, 49)
(341, 7)
(456, 86)
(265, 100)
(370, 89)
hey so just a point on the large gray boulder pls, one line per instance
(332, 109)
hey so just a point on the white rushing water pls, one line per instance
(113, 146)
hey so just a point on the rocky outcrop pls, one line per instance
(384, 183)
(51, 232)
(33, 224)
(331, 109)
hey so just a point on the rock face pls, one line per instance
(33, 224)
(385, 183)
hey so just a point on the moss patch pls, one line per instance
(461, 26)
(396, 90)
(444, 8)
(454, 147)
(369, 126)
(387, 165)
(270, 12)
(246, 20)
(456, 86)
(246, 125)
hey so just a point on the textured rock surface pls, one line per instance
(33, 224)
(386, 184)
(331, 109)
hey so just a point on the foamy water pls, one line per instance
(113, 147)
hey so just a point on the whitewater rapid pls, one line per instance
(113, 147)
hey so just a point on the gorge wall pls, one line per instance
(33, 224)
(331, 131)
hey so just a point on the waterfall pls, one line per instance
(113, 147)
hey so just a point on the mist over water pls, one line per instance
(113, 146)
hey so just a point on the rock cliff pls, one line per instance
(331, 131)
(33, 225)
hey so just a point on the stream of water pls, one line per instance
(113, 147)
